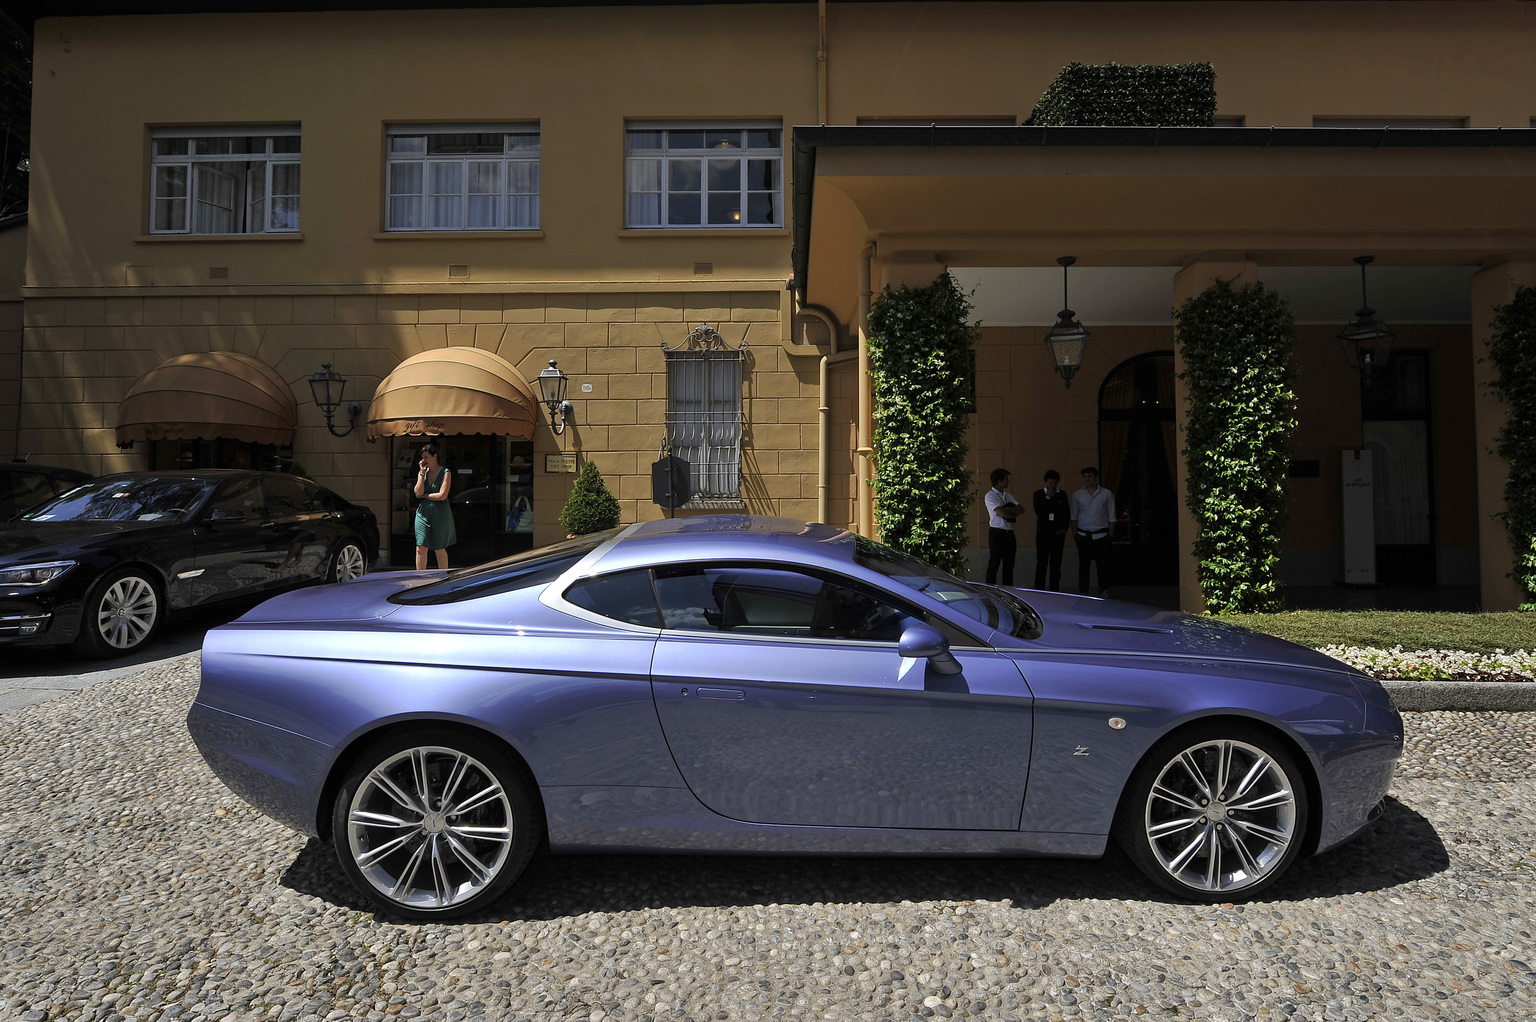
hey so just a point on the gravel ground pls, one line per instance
(133, 885)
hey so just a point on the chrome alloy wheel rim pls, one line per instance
(429, 827)
(1221, 816)
(349, 563)
(127, 612)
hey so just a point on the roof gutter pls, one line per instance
(810, 138)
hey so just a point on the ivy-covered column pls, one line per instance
(1491, 288)
(1188, 282)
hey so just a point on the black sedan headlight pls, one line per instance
(34, 574)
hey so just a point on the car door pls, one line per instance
(238, 549)
(298, 519)
(784, 700)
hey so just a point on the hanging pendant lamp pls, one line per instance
(1367, 342)
(1068, 338)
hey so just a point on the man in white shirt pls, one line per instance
(1093, 529)
(1003, 545)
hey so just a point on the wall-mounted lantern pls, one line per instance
(327, 387)
(552, 384)
(1367, 342)
(1068, 338)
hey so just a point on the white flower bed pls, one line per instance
(1437, 664)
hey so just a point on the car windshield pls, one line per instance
(993, 607)
(139, 499)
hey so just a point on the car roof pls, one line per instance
(53, 471)
(735, 537)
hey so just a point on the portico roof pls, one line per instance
(1127, 196)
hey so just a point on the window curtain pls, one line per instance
(704, 419)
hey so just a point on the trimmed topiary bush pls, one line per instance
(1147, 95)
(1236, 345)
(591, 507)
(920, 344)
(1512, 349)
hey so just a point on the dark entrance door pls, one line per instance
(1395, 409)
(1136, 452)
(491, 497)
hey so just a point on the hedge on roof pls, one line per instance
(920, 341)
(1236, 348)
(1174, 95)
(1512, 349)
(591, 507)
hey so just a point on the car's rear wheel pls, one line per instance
(348, 562)
(119, 614)
(1215, 813)
(436, 823)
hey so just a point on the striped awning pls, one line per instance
(447, 391)
(208, 395)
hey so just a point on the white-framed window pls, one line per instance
(224, 180)
(704, 415)
(463, 177)
(704, 175)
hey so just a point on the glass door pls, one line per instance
(491, 497)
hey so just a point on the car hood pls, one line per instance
(1080, 623)
(42, 541)
(362, 599)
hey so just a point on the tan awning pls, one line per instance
(208, 395)
(453, 390)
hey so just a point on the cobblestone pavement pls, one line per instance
(133, 885)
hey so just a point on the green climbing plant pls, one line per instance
(920, 344)
(1512, 350)
(1236, 344)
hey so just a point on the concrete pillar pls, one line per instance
(1187, 283)
(1492, 287)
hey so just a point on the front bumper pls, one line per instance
(276, 771)
(41, 620)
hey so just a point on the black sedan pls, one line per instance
(101, 565)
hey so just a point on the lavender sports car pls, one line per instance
(753, 685)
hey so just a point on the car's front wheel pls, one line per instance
(1215, 813)
(119, 614)
(348, 562)
(436, 823)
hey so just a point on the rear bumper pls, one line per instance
(276, 771)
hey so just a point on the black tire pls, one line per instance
(421, 862)
(348, 556)
(120, 613)
(1210, 833)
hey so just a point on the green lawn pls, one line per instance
(1474, 633)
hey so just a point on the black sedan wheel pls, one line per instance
(1214, 814)
(119, 614)
(348, 562)
(435, 824)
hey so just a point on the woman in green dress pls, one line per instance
(434, 519)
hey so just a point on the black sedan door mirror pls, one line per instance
(225, 514)
(924, 642)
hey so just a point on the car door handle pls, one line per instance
(720, 693)
(269, 525)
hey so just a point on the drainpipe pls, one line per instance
(821, 61)
(823, 410)
(865, 526)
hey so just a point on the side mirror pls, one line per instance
(924, 642)
(225, 514)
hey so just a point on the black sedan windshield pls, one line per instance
(993, 607)
(141, 499)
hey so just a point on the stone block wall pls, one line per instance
(80, 355)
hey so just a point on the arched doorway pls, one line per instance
(1137, 448)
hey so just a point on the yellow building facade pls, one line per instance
(626, 115)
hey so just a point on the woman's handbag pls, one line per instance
(521, 518)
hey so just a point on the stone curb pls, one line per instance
(1462, 695)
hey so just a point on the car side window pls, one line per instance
(769, 601)
(286, 496)
(242, 495)
(624, 596)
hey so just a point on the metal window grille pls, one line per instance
(704, 417)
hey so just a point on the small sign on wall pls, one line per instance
(559, 463)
